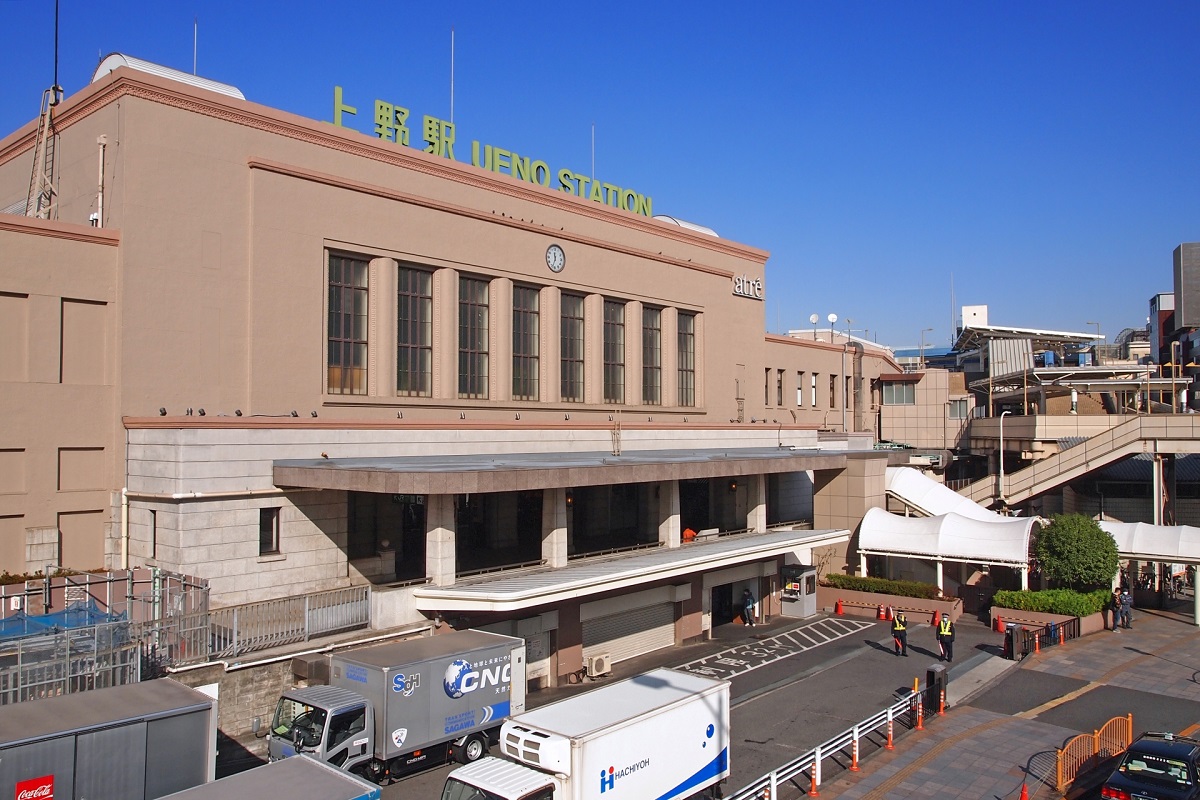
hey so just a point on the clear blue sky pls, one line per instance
(1039, 158)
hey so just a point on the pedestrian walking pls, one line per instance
(900, 634)
(1126, 609)
(748, 607)
(945, 637)
(1114, 608)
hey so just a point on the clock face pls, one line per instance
(556, 259)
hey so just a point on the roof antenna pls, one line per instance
(451, 74)
(195, 40)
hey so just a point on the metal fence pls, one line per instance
(67, 661)
(1033, 639)
(1089, 750)
(845, 744)
(236, 630)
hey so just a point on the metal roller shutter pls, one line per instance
(630, 633)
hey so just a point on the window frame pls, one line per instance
(651, 355)
(526, 343)
(268, 531)
(414, 331)
(474, 324)
(685, 339)
(571, 347)
(348, 352)
(614, 351)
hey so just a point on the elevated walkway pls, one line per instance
(1168, 433)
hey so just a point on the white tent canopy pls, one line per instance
(922, 492)
(951, 537)
(1146, 542)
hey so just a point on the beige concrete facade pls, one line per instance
(162, 365)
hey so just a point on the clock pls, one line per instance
(556, 259)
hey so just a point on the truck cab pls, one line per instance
(328, 723)
(498, 779)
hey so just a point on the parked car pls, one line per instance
(1158, 766)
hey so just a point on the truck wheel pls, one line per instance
(472, 749)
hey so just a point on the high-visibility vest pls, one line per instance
(899, 624)
(944, 627)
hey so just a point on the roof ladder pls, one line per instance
(42, 193)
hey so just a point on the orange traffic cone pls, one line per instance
(879, 613)
(837, 609)
(999, 625)
(890, 615)
(937, 617)
(1024, 792)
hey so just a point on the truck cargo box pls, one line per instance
(140, 741)
(300, 778)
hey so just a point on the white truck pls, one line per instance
(659, 736)
(398, 707)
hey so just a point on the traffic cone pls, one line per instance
(999, 626)
(890, 615)
(937, 617)
(1024, 791)
(879, 613)
(837, 609)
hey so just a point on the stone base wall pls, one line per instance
(866, 604)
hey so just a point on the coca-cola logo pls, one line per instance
(36, 789)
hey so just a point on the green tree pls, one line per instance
(1075, 552)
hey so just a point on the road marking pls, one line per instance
(743, 658)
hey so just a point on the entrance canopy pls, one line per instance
(918, 490)
(1145, 542)
(948, 537)
(519, 589)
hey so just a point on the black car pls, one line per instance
(1158, 766)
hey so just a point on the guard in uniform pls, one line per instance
(945, 637)
(900, 634)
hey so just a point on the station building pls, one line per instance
(286, 356)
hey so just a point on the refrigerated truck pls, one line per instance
(659, 736)
(398, 707)
(299, 778)
(139, 741)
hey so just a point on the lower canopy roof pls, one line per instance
(520, 589)
(949, 536)
(1141, 540)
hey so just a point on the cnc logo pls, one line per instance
(36, 789)
(406, 684)
(463, 678)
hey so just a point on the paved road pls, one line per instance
(794, 685)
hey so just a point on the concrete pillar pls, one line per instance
(1024, 579)
(756, 500)
(439, 539)
(668, 513)
(862, 565)
(842, 496)
(941, 576)
(554, 527)
(1157, 484)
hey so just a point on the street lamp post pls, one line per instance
(1002, 415)
(921, 358)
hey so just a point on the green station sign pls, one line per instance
(391, 123)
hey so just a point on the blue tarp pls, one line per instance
(77, 615)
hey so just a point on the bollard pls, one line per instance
(1062, 634)
(816, 773)
(920, 714)
(1037, 643)
(942, 703)
(889, 745)
(916, 685)
(854, 752)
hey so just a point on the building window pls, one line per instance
(800, 389)
(153, 533)
(848, 393)
(472, 338)
(687, 360)
(414, 332)
(571, 344)
(526, 344)
(813, 394)
(833, 391)
(652, 356)
(899, 394)
(347, 325)
(958, 409)
(268, 531)
(779, 388)
(614, 351)
(767, 386)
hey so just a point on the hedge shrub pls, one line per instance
(925, 591)
(1054, 601)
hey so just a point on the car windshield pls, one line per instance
(294, 718)
(1157, 769)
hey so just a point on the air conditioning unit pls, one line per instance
(599, 664)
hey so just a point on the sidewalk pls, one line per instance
(975, 753)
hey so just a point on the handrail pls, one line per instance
(810, 762)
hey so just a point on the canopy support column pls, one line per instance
(1025, 578)
(1196, 599)
(940, 576)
